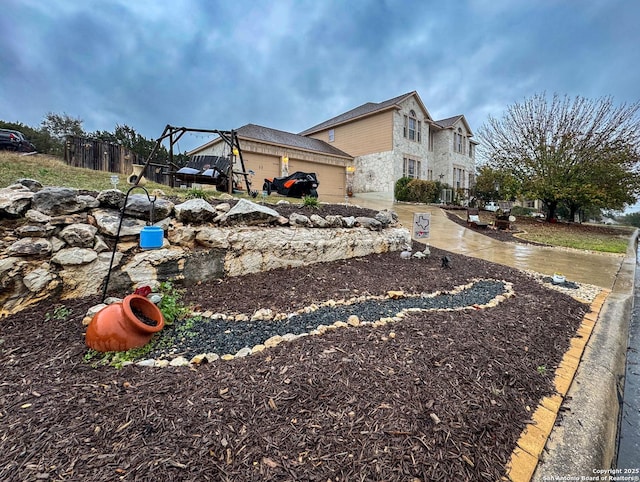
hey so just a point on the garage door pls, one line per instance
(332, 178)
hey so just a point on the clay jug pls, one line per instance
(124, 325)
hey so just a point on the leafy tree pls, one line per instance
(58, 127)
(580, 152)
(631, 219)
(494, 184)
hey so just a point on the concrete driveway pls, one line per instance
(584, 267)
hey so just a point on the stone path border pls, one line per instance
(525, 457)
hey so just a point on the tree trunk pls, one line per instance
(551, 209)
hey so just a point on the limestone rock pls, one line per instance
(99, 245)
(38, 279)
(35, 231)
(89, 201)
(107, 221)
(225, 197)
(79, 235)
(15, 200)
(55, 201)
(65, 219)
(353, 320)
(179, 362)
(299, 220)
(36, 216)
(182, 235)
(74, 256)
(369, 223)
(30, 247)
(213, 238)
(31, 184)
(195, 211)
(333, 221)
(262, 314)
(318, 221)
(387, 217)
(223, 207)
(139, 206)
(250, 213)
(111, 198)
(348, 221)
(243, 352)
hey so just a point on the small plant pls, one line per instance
(59, 313)
(310, 201)
(170, 306)
(541, 369)
(197, 193)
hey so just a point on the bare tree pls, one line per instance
(578, 151)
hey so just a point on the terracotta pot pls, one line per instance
(116, 327)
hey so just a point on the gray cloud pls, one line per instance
(292, 64)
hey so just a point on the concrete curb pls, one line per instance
(584, 442)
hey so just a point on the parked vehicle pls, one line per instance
(299, 184)
(491, 206)
(11, 140)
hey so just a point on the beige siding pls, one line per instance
(264, 166)
(363, 136)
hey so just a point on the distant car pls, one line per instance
(12, 140)
(491, 206)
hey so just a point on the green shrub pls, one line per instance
(311, 202)
(521, 211)
(197, 193)
(170, 306)
(401, 192)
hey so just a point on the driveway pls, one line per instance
(598, 269)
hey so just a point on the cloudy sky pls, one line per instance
(291, 64)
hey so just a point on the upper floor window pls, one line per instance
(412, 127)
(430, 134)
(471, 149)
(458, 141)
(332, 135)
(411, 168)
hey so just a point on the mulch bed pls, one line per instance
(499, 234)
(443, 398)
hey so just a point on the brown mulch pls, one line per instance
(444, 398)
(499, 234)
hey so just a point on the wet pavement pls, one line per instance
(629, 434)
(583, 267)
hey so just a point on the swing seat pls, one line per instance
(211, 170)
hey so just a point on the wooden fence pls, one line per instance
(105, 156)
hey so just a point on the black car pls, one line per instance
(298, 184)
(11, 140)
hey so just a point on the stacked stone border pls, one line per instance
(532, 441)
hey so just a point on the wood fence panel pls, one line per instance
(108, 157)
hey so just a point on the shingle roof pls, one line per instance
(273, 136)
(449, 121)
(364, 109)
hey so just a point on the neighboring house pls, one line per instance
(383, 141)
(273, 153)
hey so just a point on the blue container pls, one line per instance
(151, 237)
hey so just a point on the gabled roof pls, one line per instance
(449, 122)
(286, 139)
(365, 110)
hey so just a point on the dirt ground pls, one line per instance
(441, 395)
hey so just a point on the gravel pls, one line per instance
(211, 335)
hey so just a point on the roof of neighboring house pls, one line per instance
(363, 111)
(449, 122)
(287, 139)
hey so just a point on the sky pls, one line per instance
(291, 64)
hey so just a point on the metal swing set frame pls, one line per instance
(222, 167)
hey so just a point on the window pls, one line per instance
(458, 177)
(430, 140)
(430, 174)
(412, 127)
(458, 141)
(411, 168)
(471, 149)
(332, 135)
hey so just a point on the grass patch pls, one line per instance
(590, 237)
(52, 171)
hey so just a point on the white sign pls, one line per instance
(421, 225)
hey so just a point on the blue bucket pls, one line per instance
(151, 237)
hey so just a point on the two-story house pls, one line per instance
(377, 142)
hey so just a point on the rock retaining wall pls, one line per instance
(60, 240)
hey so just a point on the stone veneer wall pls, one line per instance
(65, 247)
